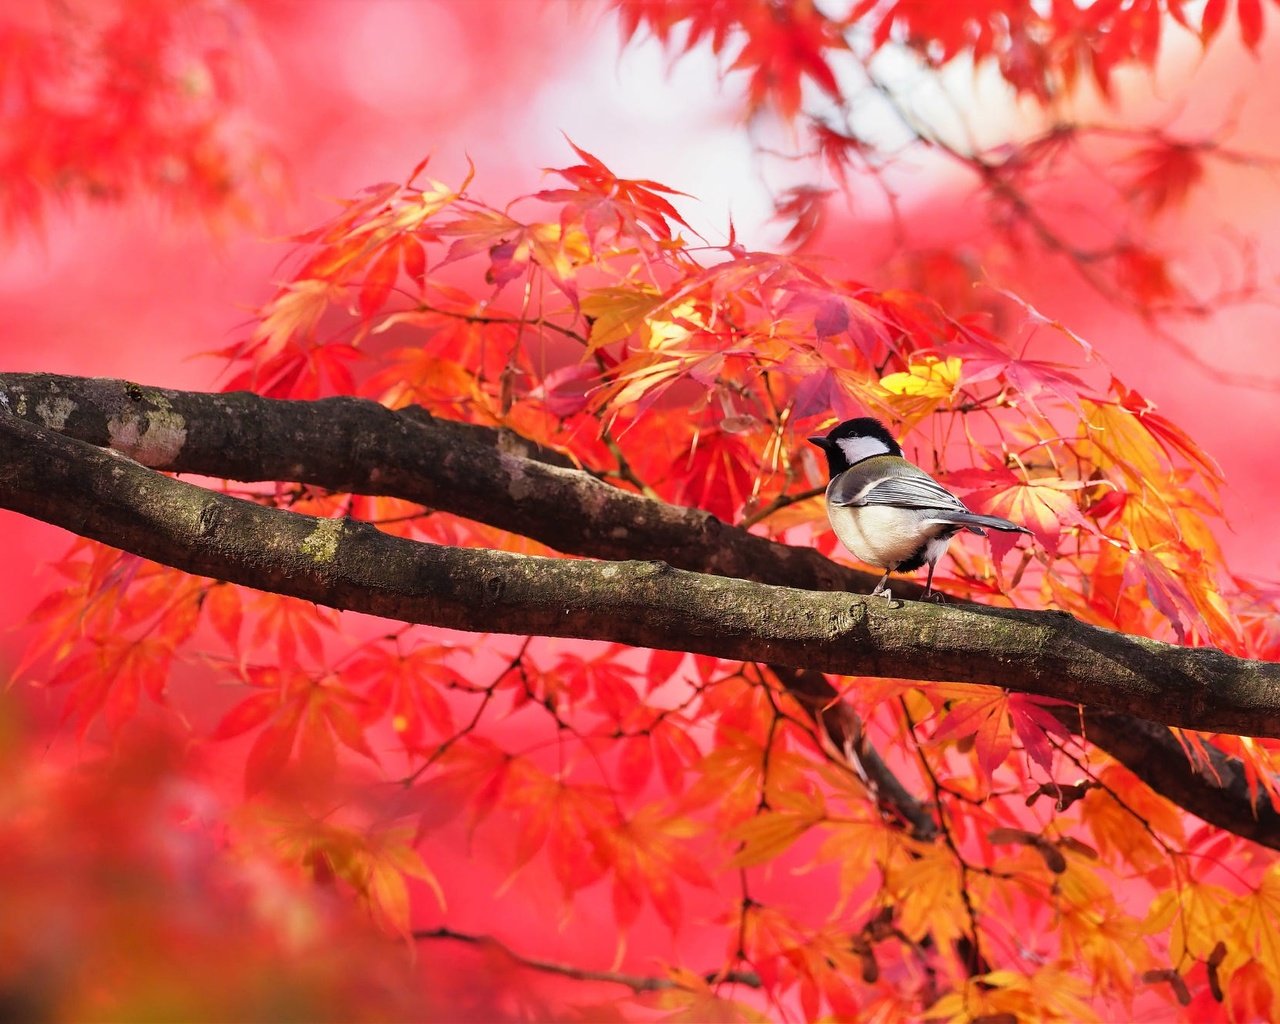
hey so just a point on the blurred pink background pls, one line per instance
(354, 92)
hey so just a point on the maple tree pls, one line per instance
(546, 454)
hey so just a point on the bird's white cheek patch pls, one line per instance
(858, 448)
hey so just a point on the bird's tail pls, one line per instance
(975, 522)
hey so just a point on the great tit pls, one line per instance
(886, 511)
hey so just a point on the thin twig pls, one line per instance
(975, 963)
(635, 982)
(515, 321)
(780, 502)
(467, 729)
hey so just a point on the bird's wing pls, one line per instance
(913, 492)
(898, 484)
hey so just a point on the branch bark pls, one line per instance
(352, 445)
(500, 479)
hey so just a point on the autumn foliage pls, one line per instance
(395, 820)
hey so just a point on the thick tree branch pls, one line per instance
(346, 564)
(351, 445)
(348, 444)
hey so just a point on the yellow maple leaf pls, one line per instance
(1094, 931)
(1115, 441)
(769, 833)
(923, 387)
(927, 891)
(618, 312)
(1256, 915)
(930, 378)
(1047, 994)
(1116, 828)
(1195, 915)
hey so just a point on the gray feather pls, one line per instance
(890, 480)
(975, 520)
(895, 482)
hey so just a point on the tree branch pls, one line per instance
(352, 445)
(346, 564)
(349, 444)
(1217, 792)
(635, 982)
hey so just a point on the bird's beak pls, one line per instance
(820, 441)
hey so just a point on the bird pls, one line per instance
(887, 512)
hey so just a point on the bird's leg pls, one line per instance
(928, 586)
(882, 587)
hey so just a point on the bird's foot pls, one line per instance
(882, 590)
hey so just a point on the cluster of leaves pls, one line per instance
(1043, 50)
(104, 101)
(687, 790)
(622, 331)
(815, 68)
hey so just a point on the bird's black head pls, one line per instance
(855, 440)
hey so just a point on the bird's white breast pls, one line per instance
(884, 536)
